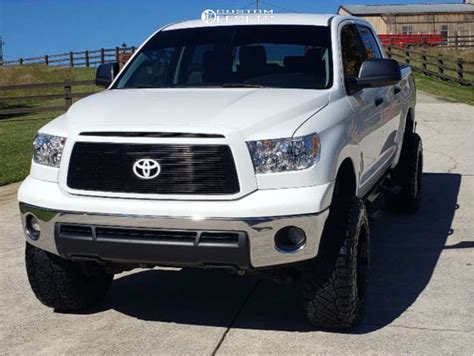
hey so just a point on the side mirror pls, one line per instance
(376, 73)
(106, 73)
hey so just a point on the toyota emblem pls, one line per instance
(146, 168)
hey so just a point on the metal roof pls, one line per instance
(407, 9)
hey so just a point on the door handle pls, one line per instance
(397, 90)
(378, 101)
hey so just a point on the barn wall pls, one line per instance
(460, 23)
(378, 22)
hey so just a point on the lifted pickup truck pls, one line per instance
(251, 147)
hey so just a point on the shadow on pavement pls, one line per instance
(404, 252)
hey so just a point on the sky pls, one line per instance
(37, 27)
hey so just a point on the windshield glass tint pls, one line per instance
(233, 56)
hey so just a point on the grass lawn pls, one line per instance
(445, 90)
(16, 137)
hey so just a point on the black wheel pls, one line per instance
(62, 284)
(408, 176)
(335, 287)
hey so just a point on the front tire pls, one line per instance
(63, 284)
(335, 287)
(408, 176)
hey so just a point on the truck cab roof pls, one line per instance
(255, 19)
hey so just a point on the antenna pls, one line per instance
(1, 49)
(256, 5)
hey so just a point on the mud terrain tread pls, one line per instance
(406, 174)
(62, 284)
(330, 291)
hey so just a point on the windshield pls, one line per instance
(233, 56)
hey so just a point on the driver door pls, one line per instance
(365, 104)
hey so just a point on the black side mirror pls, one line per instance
(376, 73)
(106, 73)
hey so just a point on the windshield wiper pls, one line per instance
(224, 85)
(242, 85)
(149, 86)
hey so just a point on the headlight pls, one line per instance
(48, 149)
(286, 154)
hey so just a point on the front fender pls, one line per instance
(335, 126)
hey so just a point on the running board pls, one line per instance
(372, 203)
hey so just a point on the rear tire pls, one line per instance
(408, 176)
(335, 287)
(63, 284)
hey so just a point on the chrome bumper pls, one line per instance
(260, 231)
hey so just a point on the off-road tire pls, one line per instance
(334, 289)
(63, 284)
(408, 176)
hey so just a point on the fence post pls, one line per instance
(460, 69)
(46, 59)
(102, 56)
(407, 56)
(440, 65)
(71, 59)
(117, 54)
(424, 60)
(87, 59)
(67, 95)
(456, 40)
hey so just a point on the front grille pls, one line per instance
(185, 169)
(152, 236)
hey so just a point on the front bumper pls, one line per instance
(134, 229)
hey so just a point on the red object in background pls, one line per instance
(422, 40)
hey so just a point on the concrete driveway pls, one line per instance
(421, 298)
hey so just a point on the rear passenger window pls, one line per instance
(352, 52)
(369, 42)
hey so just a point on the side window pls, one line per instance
(352, 53)
(369, 42)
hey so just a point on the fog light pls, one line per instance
(33, 227)
(290, 239)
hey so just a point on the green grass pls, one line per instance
(445, 90)
(36, 73)
(16, 138)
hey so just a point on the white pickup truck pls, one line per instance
(251, 147)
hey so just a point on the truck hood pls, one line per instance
(253, 113)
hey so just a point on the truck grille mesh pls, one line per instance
(185, 169)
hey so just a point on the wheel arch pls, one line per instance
(407, 125)
(346, 182)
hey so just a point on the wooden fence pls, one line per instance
(458, 42)
(451, 69)
(43, 102)
(78, 59)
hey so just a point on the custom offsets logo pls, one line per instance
(220, 16)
